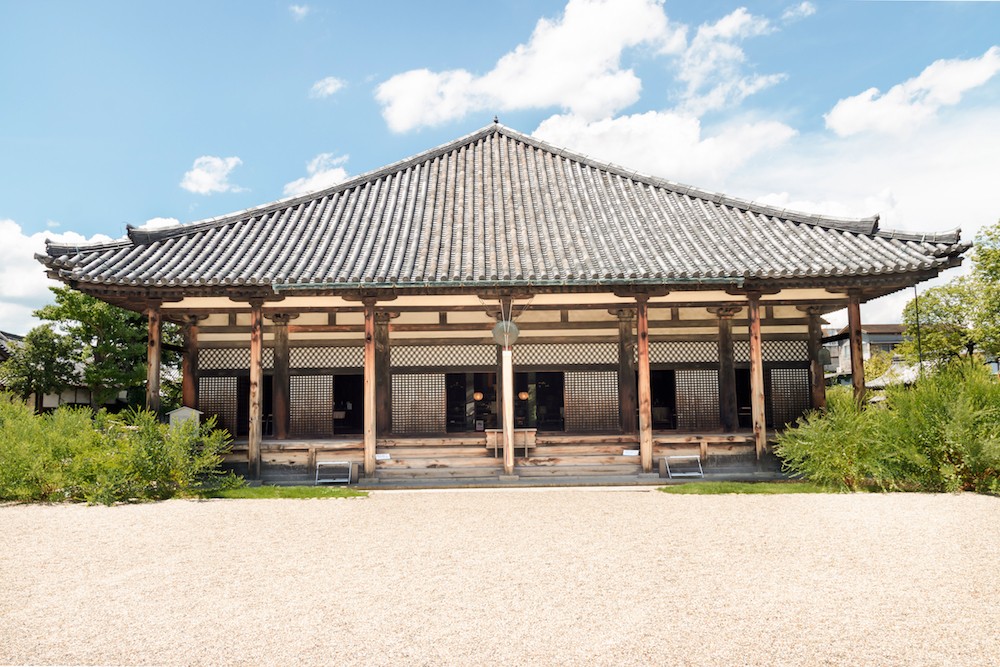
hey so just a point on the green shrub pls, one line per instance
(942, 434)
(76, 454)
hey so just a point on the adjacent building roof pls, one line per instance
(5, 340)
(497, 208)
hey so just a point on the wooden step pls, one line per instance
(439, 473)
(458, 441)
(584, 439)
(439, 463)
(573, 450)
(534, 461)
(433, 452)
(576, 470)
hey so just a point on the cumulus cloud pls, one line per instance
(326, 87)
(323, 171)
(299, 12)
(23, 283)
(712, 66)
(912, 103)
(210, 174)
(799, 11)
(573, 62)
(667, 144)
(160, 223)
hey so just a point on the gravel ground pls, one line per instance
(506, 577)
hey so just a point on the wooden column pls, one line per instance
(508, 410)
(153, 356)
(729, 417)
(645, 397)
(383, 375)
(817, 381)
(757, 377)
(189, 362)
(857, 351)
(256, 388)
(281, 387)
(628, 400)
(370, 418)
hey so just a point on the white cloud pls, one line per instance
(160, 223)
(914, 102)
(211, 174)
(299, 12)
(572, 62)
(667, 144)
(712, 65)
(324, 170)
(799, 11)
(326, 87)
(23, 283)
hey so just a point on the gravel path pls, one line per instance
(506, 577)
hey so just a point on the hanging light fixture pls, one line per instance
(477, 396)
(523, 395)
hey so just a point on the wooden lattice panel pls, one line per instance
(697, 399)
(684, 352)
(591, 401)
(568, 354)
(217, 396)
(785, 350)
(232, 358)
(418, 403)
(789, 394)
(311, 406)
(741, 351)
(442, 356)
(326, 357)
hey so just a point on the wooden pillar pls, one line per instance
(628, 401)
(857, 351)
(645, 397)
(728, 413)
(370, 418)
(256, 387)
(383, 375)
(153, 356)
(757, 377)
(281, 388)
(817, 381)
(189, 363)
(508, 410)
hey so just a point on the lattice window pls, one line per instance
(789, 394)
(443, 355)
(697, 399)
(418, 403)
(311, 406)
(537, 354)
(785, 350)
(217, 396)
(741, 351)
(232, 358)
(326, 357)
(676, 352)
(591, 401)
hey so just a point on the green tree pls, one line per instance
(878, 364)
(109, 342)
(40, 364)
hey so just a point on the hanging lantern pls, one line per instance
(523, 395)
(477, 396)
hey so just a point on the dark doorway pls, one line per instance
(348, 404)
(550, 412)
(471, 401)
(743, 403)
(243, 406)
(663, 397)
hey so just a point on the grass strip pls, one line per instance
(716, 488)
(289, 492)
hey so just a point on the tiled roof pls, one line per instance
(500, 207)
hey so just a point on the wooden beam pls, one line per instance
(153, 357)
(256, 389)
(857, 350)
(383, 375)
(757, 378)
(728, 412)
(508, 410)
(370, 419)
(281, 390)
(645, 397)
(189, 363)
(627, 390)
(817, 380)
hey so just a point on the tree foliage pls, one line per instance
(40, 364)
(878, 364)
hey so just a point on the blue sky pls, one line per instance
(123, 112)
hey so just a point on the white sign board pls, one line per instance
(383, 457)
(630, 452)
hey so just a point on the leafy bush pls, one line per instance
(76, 454)
(942, 434)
